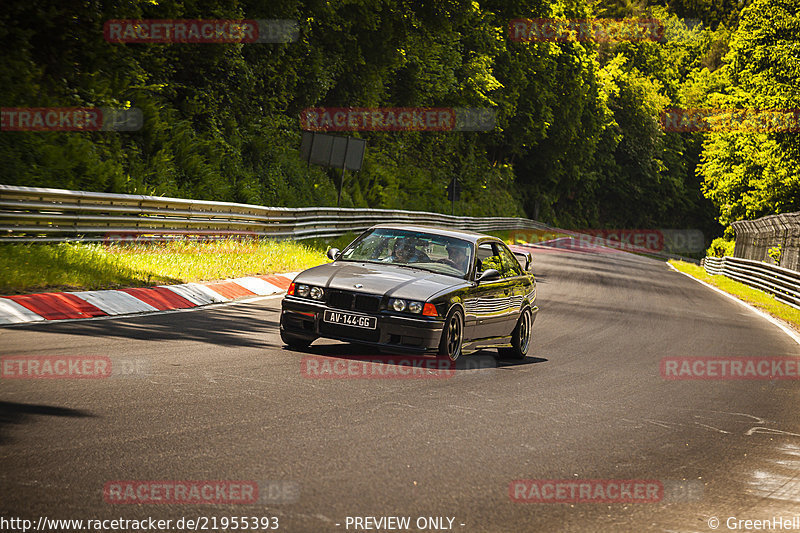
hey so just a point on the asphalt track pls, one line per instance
(221, 399)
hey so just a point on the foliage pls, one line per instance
(775, 254)
(749, 175)
(721, 247)
(577, 141)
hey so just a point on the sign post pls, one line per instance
(333, 151)
(454, 194)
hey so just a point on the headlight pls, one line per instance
(302, 290)
(317, 293)
(400, 306)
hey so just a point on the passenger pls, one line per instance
(404, 251)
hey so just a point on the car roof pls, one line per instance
(470, 236)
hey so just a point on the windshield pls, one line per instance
(436, 253)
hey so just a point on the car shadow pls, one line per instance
(19, 413)
(510, 363)
(480, 360)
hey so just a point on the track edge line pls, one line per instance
(786, 328)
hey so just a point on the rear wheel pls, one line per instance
(452, 335)
(520, 338)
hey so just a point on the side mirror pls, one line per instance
(524, 259)
(332, 253)
(489, 274)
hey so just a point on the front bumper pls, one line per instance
(303, 319)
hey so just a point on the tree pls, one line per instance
(749, 175)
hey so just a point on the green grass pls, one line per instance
(27, 268)
(334, 242)
(754, 297)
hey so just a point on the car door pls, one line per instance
(516, 289)
(489, 301)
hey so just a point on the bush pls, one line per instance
(720, 248)
(775, 254)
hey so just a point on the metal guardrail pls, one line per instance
(30, 214)
(782, 283)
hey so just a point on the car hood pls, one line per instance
(391, 280)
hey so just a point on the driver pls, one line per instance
(458, 255)
(404, 251)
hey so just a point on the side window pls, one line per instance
(489, 258)
(486, 258)
(509, 263)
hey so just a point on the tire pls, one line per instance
(520, 338)
(452, 335)
(295, 343)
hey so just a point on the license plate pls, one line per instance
(348, 319)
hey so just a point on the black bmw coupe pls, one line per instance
(416, 289)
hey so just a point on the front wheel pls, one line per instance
(294, 343)
(520, 338)
(452, 335)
